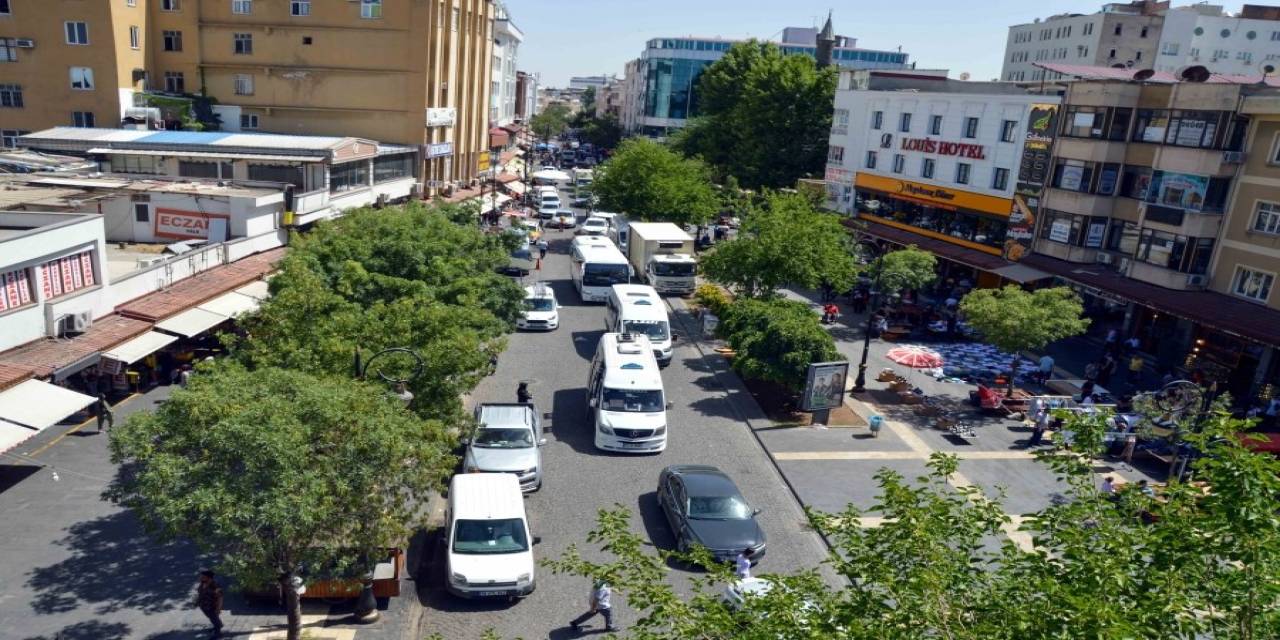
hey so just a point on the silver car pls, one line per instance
(508, 440)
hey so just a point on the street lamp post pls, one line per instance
(860, 383)
(494, 155)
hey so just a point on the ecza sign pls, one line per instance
(183, 225)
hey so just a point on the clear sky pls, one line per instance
(566, 38)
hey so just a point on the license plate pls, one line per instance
(634, 445)
(489, 594)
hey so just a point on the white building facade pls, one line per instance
(1206, 35)
(1125, 34)
(502, 82)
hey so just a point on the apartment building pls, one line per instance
(609, 100)
(414, 73)
(502, 85)
(1126, 34)
(1204, 34)
(526, 95)
(1140, 202)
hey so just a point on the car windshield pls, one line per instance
(501, 438)
(540, 304)
(718, 508)
(655, 329)
(604, 275)
(596, 224)
(632, 400)
(674, 269)
(490, 536)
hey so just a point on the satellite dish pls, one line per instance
(1194, 73)
(1268, 69)
(1144, 74)
(964, 75)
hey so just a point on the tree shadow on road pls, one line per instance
(111, 564)
(88, 630)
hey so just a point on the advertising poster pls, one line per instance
(1060, 231)
(824, 387)
(182, 225)
(1097, 230)
(1072, 177)
(1033, 174)
(1181, 190)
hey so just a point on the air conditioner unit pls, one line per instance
(149, 261)
(77, 322)
(1103, 258)
(24, 43)
(1196, 280)
(1233, 157)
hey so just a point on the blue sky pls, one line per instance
(589, 37)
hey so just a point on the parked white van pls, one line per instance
(625, 396)
(490, 553)
(637, 309)
(597, 266)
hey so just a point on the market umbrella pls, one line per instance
(551, 174)
(916, 357)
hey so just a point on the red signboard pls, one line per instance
(944, 148)
(183, 225)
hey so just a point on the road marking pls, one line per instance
(898, 455)
(909, 437)
(80, 426)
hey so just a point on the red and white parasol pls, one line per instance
(916, 357)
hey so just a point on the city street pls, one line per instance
(706, 425)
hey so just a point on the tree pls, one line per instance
(650, 182)
(372, 280)
(589, 101)
(551, 121)
(1202, 561)
(903, 270)
(280, 474)
(762, 116)
(1016, 320)
(603, 133)
(783, 241)
(775, 340)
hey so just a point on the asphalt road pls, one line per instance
(704, 428)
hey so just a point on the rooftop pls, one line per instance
(71, 191)
(1090, 72)
(105, 140)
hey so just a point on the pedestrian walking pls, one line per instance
(829, 313)
(103, 410)
(209, 600)
(859, 301)
(1091, 371)
(1107, 369)
(600, 595)
(1135, 368)
(542, 248)
(184, 377)
(1042, 425)
(1046, 368)
(1131, 345)
(742, 564)
(523, 395)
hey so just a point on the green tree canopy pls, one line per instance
(650, 182)
(1016, 320)
(762, 116)
(776, 340)
(904, 269)
(604, 133)
(551, 121)
(784, 240)
(280, 473)
(1200, 562)
(390, 278)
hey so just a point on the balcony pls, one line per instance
(1085, 204)
(1167, 278)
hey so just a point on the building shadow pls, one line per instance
(111, 564)
(89, 630)
(12, 474)
(585, 343)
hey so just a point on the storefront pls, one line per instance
(972, 220)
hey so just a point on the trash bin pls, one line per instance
(875, 422)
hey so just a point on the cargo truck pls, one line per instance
(661, 254)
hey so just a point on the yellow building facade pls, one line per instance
(402, 71)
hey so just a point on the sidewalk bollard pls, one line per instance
(875, 423)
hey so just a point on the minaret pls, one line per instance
(826, 43)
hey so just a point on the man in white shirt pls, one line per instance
(600, 595)
(742, 564)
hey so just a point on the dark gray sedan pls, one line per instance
(703, 506)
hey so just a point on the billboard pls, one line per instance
(1033, 173)
(183, 225)
(824, 386)
(1178, 190)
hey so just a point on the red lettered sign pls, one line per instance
(183, 225)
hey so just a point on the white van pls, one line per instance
(636, 308)
(625, 396)
(490, 553)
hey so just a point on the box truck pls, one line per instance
(661, 254)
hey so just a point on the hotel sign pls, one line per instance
(948, 198)
(944, 148)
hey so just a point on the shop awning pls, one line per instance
(231, 305)
(40, 405)
(191, 322)
(489, 203)
(139, 347)
(12, 435)
(516, 187)
(1021, 273)
(260, 290)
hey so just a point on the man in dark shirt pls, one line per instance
(209, 599)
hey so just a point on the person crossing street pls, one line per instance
(601, 593)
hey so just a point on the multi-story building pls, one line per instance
(668, 69)
(927, 161)
(405, 72)
(609, 100)
(502, 86)
(632, 105)
(1204, 34)
(582, 83)
(1126, 34)
(526, 95)
(1142, 200)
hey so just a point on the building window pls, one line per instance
(1073, 175)
(1000, 179)
(243, 43)
(77, 32)
(1142, 33)
(135, 38)
(935, 125)
(82, 78)
(169, 5)
(173, 41)
(306, 40)
(242, 7)
(248, 121)
(127, 3)
(1119, 29)
(11, 95)
(349, 176)
(1174, 252)
(288, 174)
(1111, 54)
(141, 212)
(962, 173)
(835, 155)
(877, 119)
(15, 289)
(9, 137)
(82, 119)
(970, 127)
(151, 165)
(871, 160)
(8, 50)
(904, 123)
(1008, 130)
(370, 9)
(174, 82)
(4, 7)
(1267, 218)
(1088, 29)
(899, 162)
(244, 84)
(300, 7)
(392, 167)
(927, 166)
(1252, 284)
